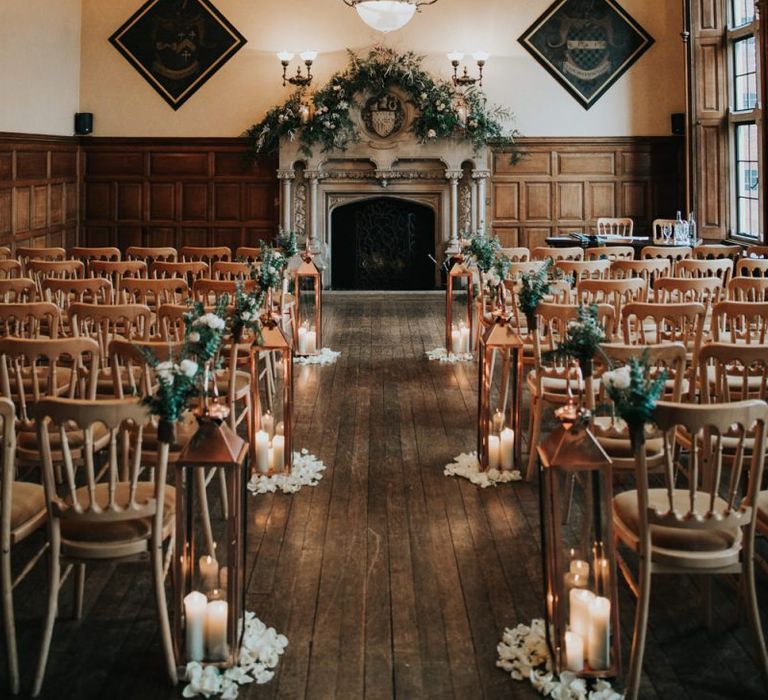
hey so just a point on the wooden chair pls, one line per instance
(120, 517)
(10, 268)
(247, 254)
(5, 252)
(555, 383)
(760, 251)
(679, 290)
(116, 272)
(187, 271)
(542, 253)
(584, 269)
(748, 289)
(731, 371)
(231, 271)
(207, 254)
(671, 253)
(38, 319)
(26, 253)
(617, 293)
(151, 254)
(154, 292)
(656, 229)
(740, 322)
(209, 290)
(519, 254)
(63, 292)
(752, 267)
(40, 270)
(717, 251)
(612, 227)
(721, 268)
(610, 252)
(648, 270)
(704, 529)
(89, 254)
(22, 512)
(19, 290)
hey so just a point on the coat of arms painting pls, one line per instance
(587, 45)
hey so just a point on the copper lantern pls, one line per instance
(271, 421)
(578, 550)
(308, 292)
(458, 335)
(497, 414)
(209, 562)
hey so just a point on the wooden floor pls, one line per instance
(389, 579)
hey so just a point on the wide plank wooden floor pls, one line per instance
(389, 579)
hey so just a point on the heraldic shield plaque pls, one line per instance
(587, 45)
(177, 45)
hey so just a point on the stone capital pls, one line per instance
(286, 174)
(481, 174)
(454, 174)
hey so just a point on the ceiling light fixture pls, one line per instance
(387, 15)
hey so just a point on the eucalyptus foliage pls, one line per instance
(484, 251)
(269, 275)
(534, 287)
(582, 339)
(286, 241)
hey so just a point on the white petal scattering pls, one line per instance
(443, 355)
(307, 471)
(326, 356)
(523, 653)
(259, 655)
(468, 467)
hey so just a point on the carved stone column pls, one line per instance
(314, 177)
(475, 207)
(481, 176)
(453, 176)
(286, 213)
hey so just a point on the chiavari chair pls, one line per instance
(26, 253)
(692, 267)
(615, 227)
(617, 293)
(584, 269)
(752, 267)
(748, 289)
(249, 254)
(154, 292)
(5, 252)
(22, 289)
(760, 251)
(518, 254)
(740, 322)
(150, 254)
(207, 254)
(64, 292)
(671, 253)
(128, 514)
(39, 319)
(231, 271)
(716, 251)
(10, 268)
(187, 271)
(610, 252)
(117, 271)
(679, 290)
(41, 270)
(89, 254)
(706, 528)
(648, 270)
(657, 229)
(543, 252)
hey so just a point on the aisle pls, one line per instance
(389, 579)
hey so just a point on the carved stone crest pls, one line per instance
(383, 115)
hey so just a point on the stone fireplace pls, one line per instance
(446, 176)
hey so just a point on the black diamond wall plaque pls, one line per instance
(177, 45)
(587, 45)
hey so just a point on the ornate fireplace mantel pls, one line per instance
(448, 175)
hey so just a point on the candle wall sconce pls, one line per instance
(497, 412)
(465, 79)
(209, 561)
(458, 331)
(578, 552)
(308, 292)
(299, 80)
(270, 426)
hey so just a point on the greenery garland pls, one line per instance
(331, 127)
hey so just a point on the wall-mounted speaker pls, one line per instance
(678, 124)
(83, 123)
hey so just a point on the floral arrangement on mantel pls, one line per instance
(330, 125)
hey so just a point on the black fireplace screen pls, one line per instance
(383, 243)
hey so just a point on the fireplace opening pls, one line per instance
(383, 243)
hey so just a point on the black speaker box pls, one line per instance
(83, 123)
(678, 124)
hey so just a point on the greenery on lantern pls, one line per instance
(246, 312)
(483, 250)
(331, 127)
(634, 390)
(177, 384)
(269, 274)
(534, 286)
(205, 329)
(582, 340)
(287, 243)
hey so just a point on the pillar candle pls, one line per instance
(599, 638)
(209, 572)
(507, 448)
(493, 451)
(302, 341)
(278, 453)
(579, 599)
(465, 339)
(603, 574)
(268, 424)
(216, 630)
(280, 428)
(574, 652)
(262, 452)
(580, 567)
(195, 605)
(498, 421)
(575, 581)
(456, 342)
(311, 342)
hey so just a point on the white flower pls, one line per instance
(343, 104)
(619, 378)
(194, 337)
(473, 123)
(423, 95)
(188, 368)
(166, 372)
(440, 106)
(211, 320)
(327, 124)
(336, 88)
(431, 134)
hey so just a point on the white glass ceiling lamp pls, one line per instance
(387, 15)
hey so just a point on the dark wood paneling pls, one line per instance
(177, 192)
(564, 184)
(39, 185)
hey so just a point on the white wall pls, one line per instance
(39, 65)
(124, 104)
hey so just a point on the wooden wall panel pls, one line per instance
(563, 185)
(39, 186)
(176, 192)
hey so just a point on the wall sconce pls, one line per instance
(465, 80)
(299, 80)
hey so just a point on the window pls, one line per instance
(743, 116)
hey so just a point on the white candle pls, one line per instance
(574, 652)
(575, 581)
(209, 572)
(216, 630)
(498, 421)
(194, 619)
(580, 567)
(602, 574)
(278, 453)
(493, 452)
(507, 448)
(311, 342)
(456, 342)
(302, 341)
(268, 424)
(262, 452)
(280, 428)
(599, 639)
(465, 339)
(580, 598)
